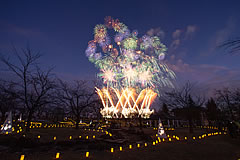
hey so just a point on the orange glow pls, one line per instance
(138, 52)
(126, 103)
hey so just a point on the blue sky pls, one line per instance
(60, 30)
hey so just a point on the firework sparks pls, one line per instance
(130, 62)
(127, 104)
(108, 76)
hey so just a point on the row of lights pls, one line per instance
(195, 137)
(205, 127)
(169, 129)
(145, 144)
(57, 156)
(70, 137)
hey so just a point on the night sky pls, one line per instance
(192, 30)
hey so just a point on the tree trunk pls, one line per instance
(77, 121)
(29, 120)
(190, 121)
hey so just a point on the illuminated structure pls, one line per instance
(161, 133)
(7, 125)
(132, 69)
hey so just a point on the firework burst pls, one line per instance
(130, 62)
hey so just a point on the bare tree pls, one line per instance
(33, 84)
(76, 96)
(233, 45)
(229, 102)
(212, 111)
(8, 98)
(185, 100)
(95, 107)
(236, 98)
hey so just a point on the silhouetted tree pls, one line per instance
(33, 84)
(233, 45)
(185, 103)
(76, 96)
(212, 110)
(96, 106)
(164, 111)
(229, 101)
(236, 99)
(225, 101)
(8, 98)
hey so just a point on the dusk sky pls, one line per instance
(192, 30)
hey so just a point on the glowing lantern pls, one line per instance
(130, 146)
(57, 155)
(87, 154)
(112, 150)
(120, 148)
(22, 157)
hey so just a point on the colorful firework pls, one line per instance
(129, 62)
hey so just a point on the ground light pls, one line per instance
(22, 157)
(130, 146)
(87, 154)
(57, 155)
